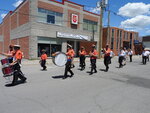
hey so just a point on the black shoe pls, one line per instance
(91, 73)
(12, 84)
(72, 75)
(95, 71)
(24, 80)
(64, 77)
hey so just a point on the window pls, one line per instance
(112, 43)
(113, 31)
(89, 25)
(112, 39)
(120, 38)
(50, 19)
(47, 16)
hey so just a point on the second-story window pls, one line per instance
(51, 17)
(89, 25)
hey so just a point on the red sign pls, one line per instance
(74, 19)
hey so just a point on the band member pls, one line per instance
(144, 56)
(70, 55)
(43, 60)
(9, 54)
(148, 54)
(112, 54)
(107, 51)
(125, 56)
(93, 56)
(121, 55)
(16, 66)
(130, 53)
(82, 54)
(72, 61)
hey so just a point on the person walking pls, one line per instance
(82, 54)
(16, 66)
(144, 56)
(130, 53)
(43, 60)
(107, 58)
(93, 56)
(10, 53)
(121, 55)
(70, 55)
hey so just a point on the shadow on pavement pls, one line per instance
(138, 81)
(58, 77)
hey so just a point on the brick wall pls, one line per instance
(1, 29)
(24, 43)
(50, 7)
(6, 32)
(1, 46)
(87, 45)
(24, 14)
(14, 21)
(88, 17)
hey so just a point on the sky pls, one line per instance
(131, 15)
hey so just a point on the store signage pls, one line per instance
(73, 36)
(74, 19)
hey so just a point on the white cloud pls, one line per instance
(137, 22)
(17, 3)
(95, 10)
(134, 9)
(148, 31)
(3, 15)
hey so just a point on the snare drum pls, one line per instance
(60, 59)
(6, 69)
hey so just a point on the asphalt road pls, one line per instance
(120, 90)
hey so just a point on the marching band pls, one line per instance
(11, 64)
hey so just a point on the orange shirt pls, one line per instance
(70, 53)
(94, 53)
(107, 52)
(44, 56)
(18, 55)
(82, 53)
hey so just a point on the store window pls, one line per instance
(51, 45)
(45, 47)
(89, 25)
(47, 16)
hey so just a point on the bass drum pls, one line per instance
(60, 59)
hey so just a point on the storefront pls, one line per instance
(52, 45)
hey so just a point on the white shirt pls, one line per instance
(130, 52)
(145, 53)
(111, 54)
(122, 53)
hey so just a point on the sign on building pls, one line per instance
(74, 19)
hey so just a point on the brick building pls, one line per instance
(119, 38)
(50, 25)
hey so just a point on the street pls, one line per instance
(120, 90)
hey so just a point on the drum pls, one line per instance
(60, 59)
(6, 69)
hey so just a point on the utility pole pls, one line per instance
(102, 6)
(108, 28)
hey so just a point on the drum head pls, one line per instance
(60, 59)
